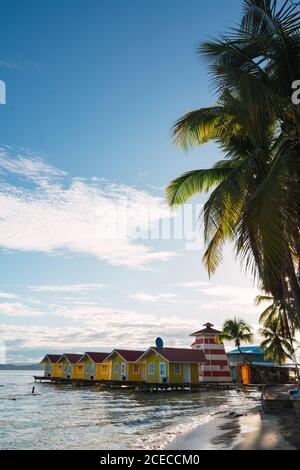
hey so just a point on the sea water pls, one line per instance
(68, 417)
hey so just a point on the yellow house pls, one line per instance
(91, 366)
(124, 365)
(69, 367)
(171, 366)
(51, 366)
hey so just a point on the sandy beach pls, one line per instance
(251, 431)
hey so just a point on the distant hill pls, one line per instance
(21, 367)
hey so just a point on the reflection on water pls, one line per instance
(86, 418)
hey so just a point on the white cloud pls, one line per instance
(7, 295)
(154, 298)
(16, 309)
(226, 291)
(93, 217)
(87, 325)
(235, 300)
(20, 64)
(70, 288)
(229, 299)
(193, 284)
(97, 329)
(29, 166)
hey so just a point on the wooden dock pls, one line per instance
(146, 387)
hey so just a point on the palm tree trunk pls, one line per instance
(294, 357)
(286, 328)
(290, 338)
(296, 365)
(294, 284)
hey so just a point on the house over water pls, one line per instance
(260, 370)
(171, 366)
(68, 366)
(50, 363)
(124, 366)
(216, 367)
(91, 366)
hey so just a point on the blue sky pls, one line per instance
(92, 91)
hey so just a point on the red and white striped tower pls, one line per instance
(216, 368)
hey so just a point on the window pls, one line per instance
(123, 369)
(104, 368)
(86, 369)
(59, 368)
(177, 369)
(151, 368)
(93, 369)
(136, 369)
(69, 369)
(162, 369)
(80, 369)
(116, 368)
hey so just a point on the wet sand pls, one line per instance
(252, 431)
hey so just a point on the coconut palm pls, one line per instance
(279, 321)
(283, 312)
(275, 345)
(238, 331)
(254, 198)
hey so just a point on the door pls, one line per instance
(187, 373)
(123, 371)
(246, 374)
(162, 372)
(143, 372)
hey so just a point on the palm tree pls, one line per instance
(254, 198)
(280, 323)
(282, 312)
(275, 345)
(239, 331)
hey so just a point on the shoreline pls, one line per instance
(251, 430)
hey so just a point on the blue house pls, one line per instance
(260, 367)
(251, 353)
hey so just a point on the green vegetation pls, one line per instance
(238, 331)
(279, 325)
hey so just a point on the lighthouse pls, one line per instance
(216, 368)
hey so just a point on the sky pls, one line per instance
(91, 258)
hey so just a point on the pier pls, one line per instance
(146, 387)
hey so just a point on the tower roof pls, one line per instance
(208, 330)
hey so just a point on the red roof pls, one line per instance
(53, 358)
(208, 330)
(130, 356)
(181, 355)
(97, 357)
(73, 358)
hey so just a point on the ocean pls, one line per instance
(68, 417)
